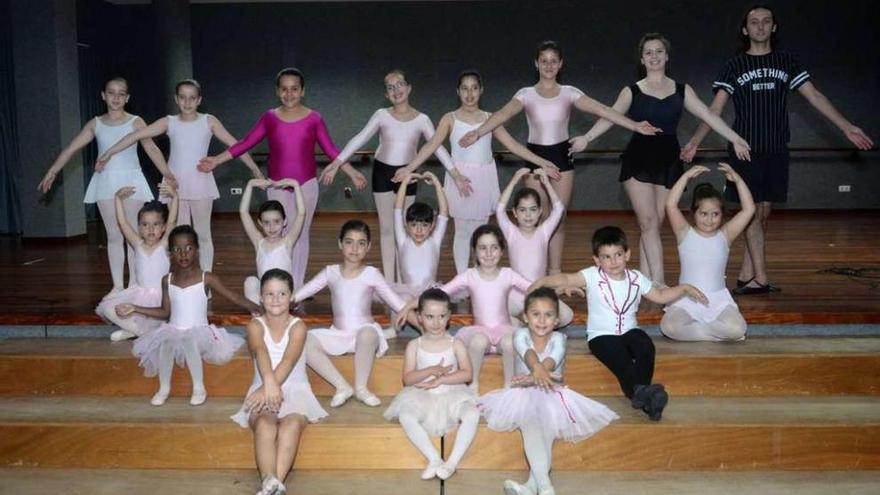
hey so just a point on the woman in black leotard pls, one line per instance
(651, 164)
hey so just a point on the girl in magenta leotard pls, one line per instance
(292, 130)
(352, 285)
(190, 135)
(548, 105)
(400, 127)
(475, 162)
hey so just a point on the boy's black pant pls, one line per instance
(629, 356)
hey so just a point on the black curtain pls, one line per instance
(10, 166)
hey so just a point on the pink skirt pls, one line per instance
(567, 414)
(494, 334)
(139, 296)
(484, 195)
(215, 345)
(337, 342)
(718, 302)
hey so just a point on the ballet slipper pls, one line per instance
(431, 470)
(113, 292)
(367, 397)
(341, 395)
(120, 335)
(273, 486)
(445, 471)
(513, 488)
(547, 491)
(160, 397)
(198, 397)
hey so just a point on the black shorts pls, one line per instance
(382, 174)
(556, 153)
(766, 175)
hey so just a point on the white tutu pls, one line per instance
(139, 296)
(297, 398)
(718, 301)
(337, 342)
(438, 412)
(103, 185)
(215, 345)
(568, 414)
(484, 195)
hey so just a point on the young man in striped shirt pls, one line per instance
(759, 80)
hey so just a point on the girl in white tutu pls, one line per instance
(472, 205)
(352, 284)
(537, 403)
(435, 399)
(150, 241)
(418, 237)
(703, 250)
(274, 247)
(123, 170)
(187, 337)
(280, 403)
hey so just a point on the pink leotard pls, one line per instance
(351, 298)
(528, 255)
(488, 297)
(548, 117)
(291, 145)
(418, 263)
(398, 141)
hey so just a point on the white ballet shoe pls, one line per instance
(513, 488)
(367, 397)
(198, 397)
(160, 397)
(445, 471)
(120, 335)
(431, 470)
(273, 486)
(341, 395)
(389, 333)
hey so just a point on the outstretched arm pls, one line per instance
(586, 104)
(736, 225)
(256, 134)
(157, 128)
(217, 286)
(559, 281)
(621, 106)
(428, 149)
(85, 136)
(677, 220)
(228, 139)
(151, 149)
(693, 105)
(821, 103)
(161, 313)
(667, 295)
(717, 105)
(244, 210)
(513, 107)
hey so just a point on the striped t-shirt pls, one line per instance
(759, 85)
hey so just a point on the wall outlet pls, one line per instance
(844, 188)
(236, 191)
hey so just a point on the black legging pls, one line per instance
(629, 356)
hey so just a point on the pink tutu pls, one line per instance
(215, 345)
(494, 334)
(567, 414)
(297, 398)
(484, 195)
(337, 342)
(719, 300)
(437, 411)
(139, 296)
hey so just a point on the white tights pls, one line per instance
(461, 243)
(477, 348)
(115, 240)
(197, 212)
(193, 363)
(364, 354)
(677, 324)
(467, 430)
(538, 445)
(287, 198)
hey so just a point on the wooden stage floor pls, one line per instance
(60, 281)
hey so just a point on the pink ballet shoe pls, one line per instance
(431, 470)
(513, 488)
(198, 397)
(341, 395)
(445, 471)
(120, 335)
(160, 398)
(367, 397)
